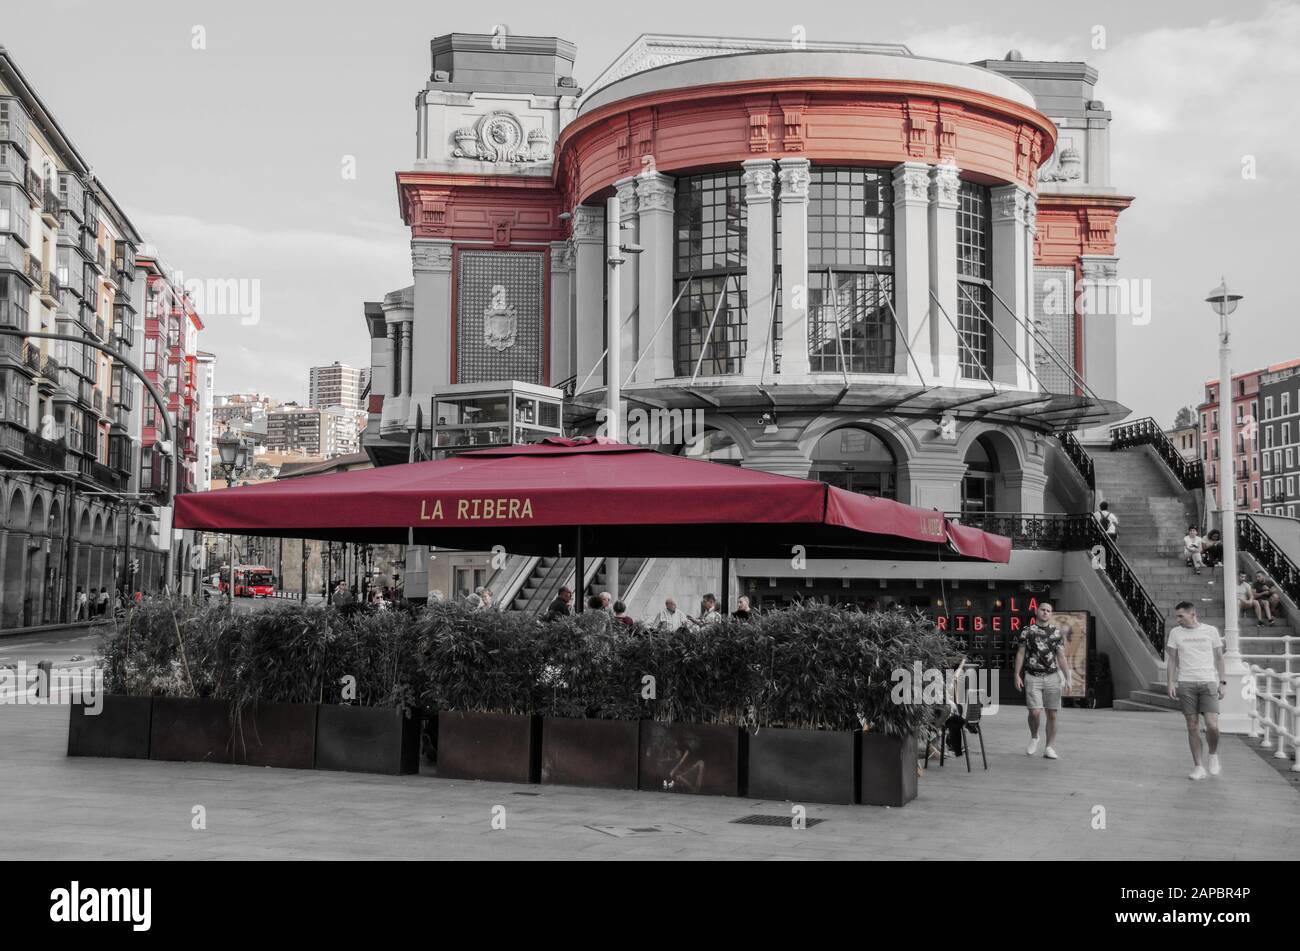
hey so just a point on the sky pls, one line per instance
(231, 158)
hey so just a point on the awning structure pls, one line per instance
(611, 499)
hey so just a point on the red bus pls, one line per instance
(251, 581)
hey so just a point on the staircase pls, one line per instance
(1153, 518)
(551, 573)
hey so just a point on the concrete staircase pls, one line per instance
(1154, 513)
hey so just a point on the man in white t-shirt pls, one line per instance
(1196, 676)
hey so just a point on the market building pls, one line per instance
(844, 261)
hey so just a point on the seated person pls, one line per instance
(1212, 548)
(1246, 600)
(1192, 543)
(1267, 592)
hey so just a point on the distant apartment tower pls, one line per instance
(336, 385)
(312, 431)
(1279, 391)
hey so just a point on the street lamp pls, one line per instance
(233, 451)
(1235, 717)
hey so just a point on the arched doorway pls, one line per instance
(33, 598)
(855, 458)
(980, 484)
(713, 445)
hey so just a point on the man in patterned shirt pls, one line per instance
(1040, 657)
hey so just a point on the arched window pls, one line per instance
(979, 485)
(850, 270)
(709, 223)
(857, 460)
(974, 271)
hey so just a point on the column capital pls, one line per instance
(655, 191)
(1099, 267)
(759, 177)
(911, 183)
(430, 254)
(589, 225)
(1031, 211)
(796, 174)
(562, 256)
(945, 180)
(1009, 203)
(625, 189)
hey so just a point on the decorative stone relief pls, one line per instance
(945, 181)
(588, 224)
(499, 137)
(758, 179)
(430, 256)
(911, 182)
(500, 325)
(655, 192)
(795, 178)
(1008, 204)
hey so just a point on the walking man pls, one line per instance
(1040, 657)
(1197, 679)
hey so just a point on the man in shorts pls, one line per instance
(1196, 676)
(1040, 656)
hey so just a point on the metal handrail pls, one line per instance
(1253, 539)
(1107, 556)
(1147, 432)
(1273, 714)
(1079, 456)
(1033, 531)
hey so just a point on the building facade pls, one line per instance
(1245, 409)
(69, 440)
(336, 385)
(326, 433)
(1279, 397)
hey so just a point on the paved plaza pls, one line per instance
(1134, 765)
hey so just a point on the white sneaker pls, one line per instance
(1032, 748)
(1215, 768)
(1197, 774)
(1049, 753)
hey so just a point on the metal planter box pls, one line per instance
(120, 729)
(189, 729)
(590, 752)
(500, 747)
(694, 758)
(888, 769)
(275, 734)
(367, 740)
(804, 765)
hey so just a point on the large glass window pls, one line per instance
(14, 295)
(850, 270)
(710, 220)
(979, 485)
(974, 270)
(15, 394)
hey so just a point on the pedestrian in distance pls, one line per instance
(1108, 520)
(670, 618)
(708, 611)
(1198, 681)
(1041, 670)
(82, 613)
(562, 606)
(621, 615)
(742, 612)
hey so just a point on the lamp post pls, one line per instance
(233, 451)
(1234, 717)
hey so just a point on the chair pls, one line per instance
(970, 719)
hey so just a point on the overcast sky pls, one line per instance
(229, 159)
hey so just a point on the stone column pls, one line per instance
(655, 193)
(6, 593)
(408, 364)
(912, 267)
(432, 355)
(561, 332)
(1100, 298)
(795, 176)
(629, 276)
(935, 483)
(395, 380)
(589, 241)
(1030, 316)
(758, 179)
(944, 183)
(1008, 250)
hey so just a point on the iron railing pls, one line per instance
(1147, 432)
(1075, 452)
(1254, 540)
(32, 357)
(1033, 532)
(1150, 619)
(51, 205)
(44, 451)
(35, 187)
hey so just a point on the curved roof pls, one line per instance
(812, 64)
